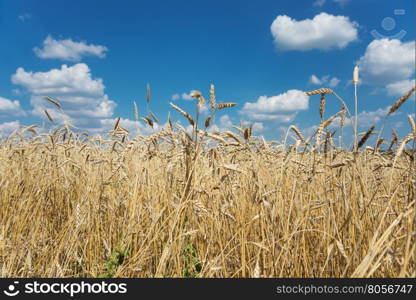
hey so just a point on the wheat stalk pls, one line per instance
(154, 117)
(247, 133)
(297, 132)
(136, 111)
(148, 121)
(212, 99)
(148, 93)
(401, 100)
(48, 115)
(411, 122)
(365, 137)
(53, 101)
(319, 91)
(399, 151)
(394, 140)
(322, 106)
(355, 81)
(225, 105)
(183, 113)
(207, 121)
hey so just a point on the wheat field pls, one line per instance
(202, 203)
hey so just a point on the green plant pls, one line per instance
(115, 260)
(192, 265)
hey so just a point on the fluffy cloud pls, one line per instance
(387, 61)
(280, 108)
(82, 97)
(365, 118)
(7, 128)
(257, 127)
(369, 118)
(183, 96)
(68, 49)
(399, 88)
(204, 110)
(134, 127)
(316, 80)
(10, 108)
(225, 123)
(323, 32)
(331, 82)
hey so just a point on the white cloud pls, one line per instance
(9, 107)
(387, 61)
(225, 123)
(315, 80)
(134, 127)
(186, 96)
(321, 3)
(257, 127)
(68, 49)
(331, 82)
(24, 16)
(8, 127)
(204, 110)
(365, 118)
(399, 88)
(82, 97)
(280, 108)
(183, 96)
(323, 32)
(309, 131)
(369, 118)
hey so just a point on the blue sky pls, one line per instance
(96, 57)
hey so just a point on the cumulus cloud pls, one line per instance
(8, 127)
(280, 108)
(68, 49)
(323, 32)
(399, 88)
(315, 80)
(187, 96)
(327, 80)
(134, 127)
(10, 108)
(365, 118)
(390, 64)
(386, 61)
(225, 123)
(369, 118)
(82, 97)
(257, 127)
(183, 96)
